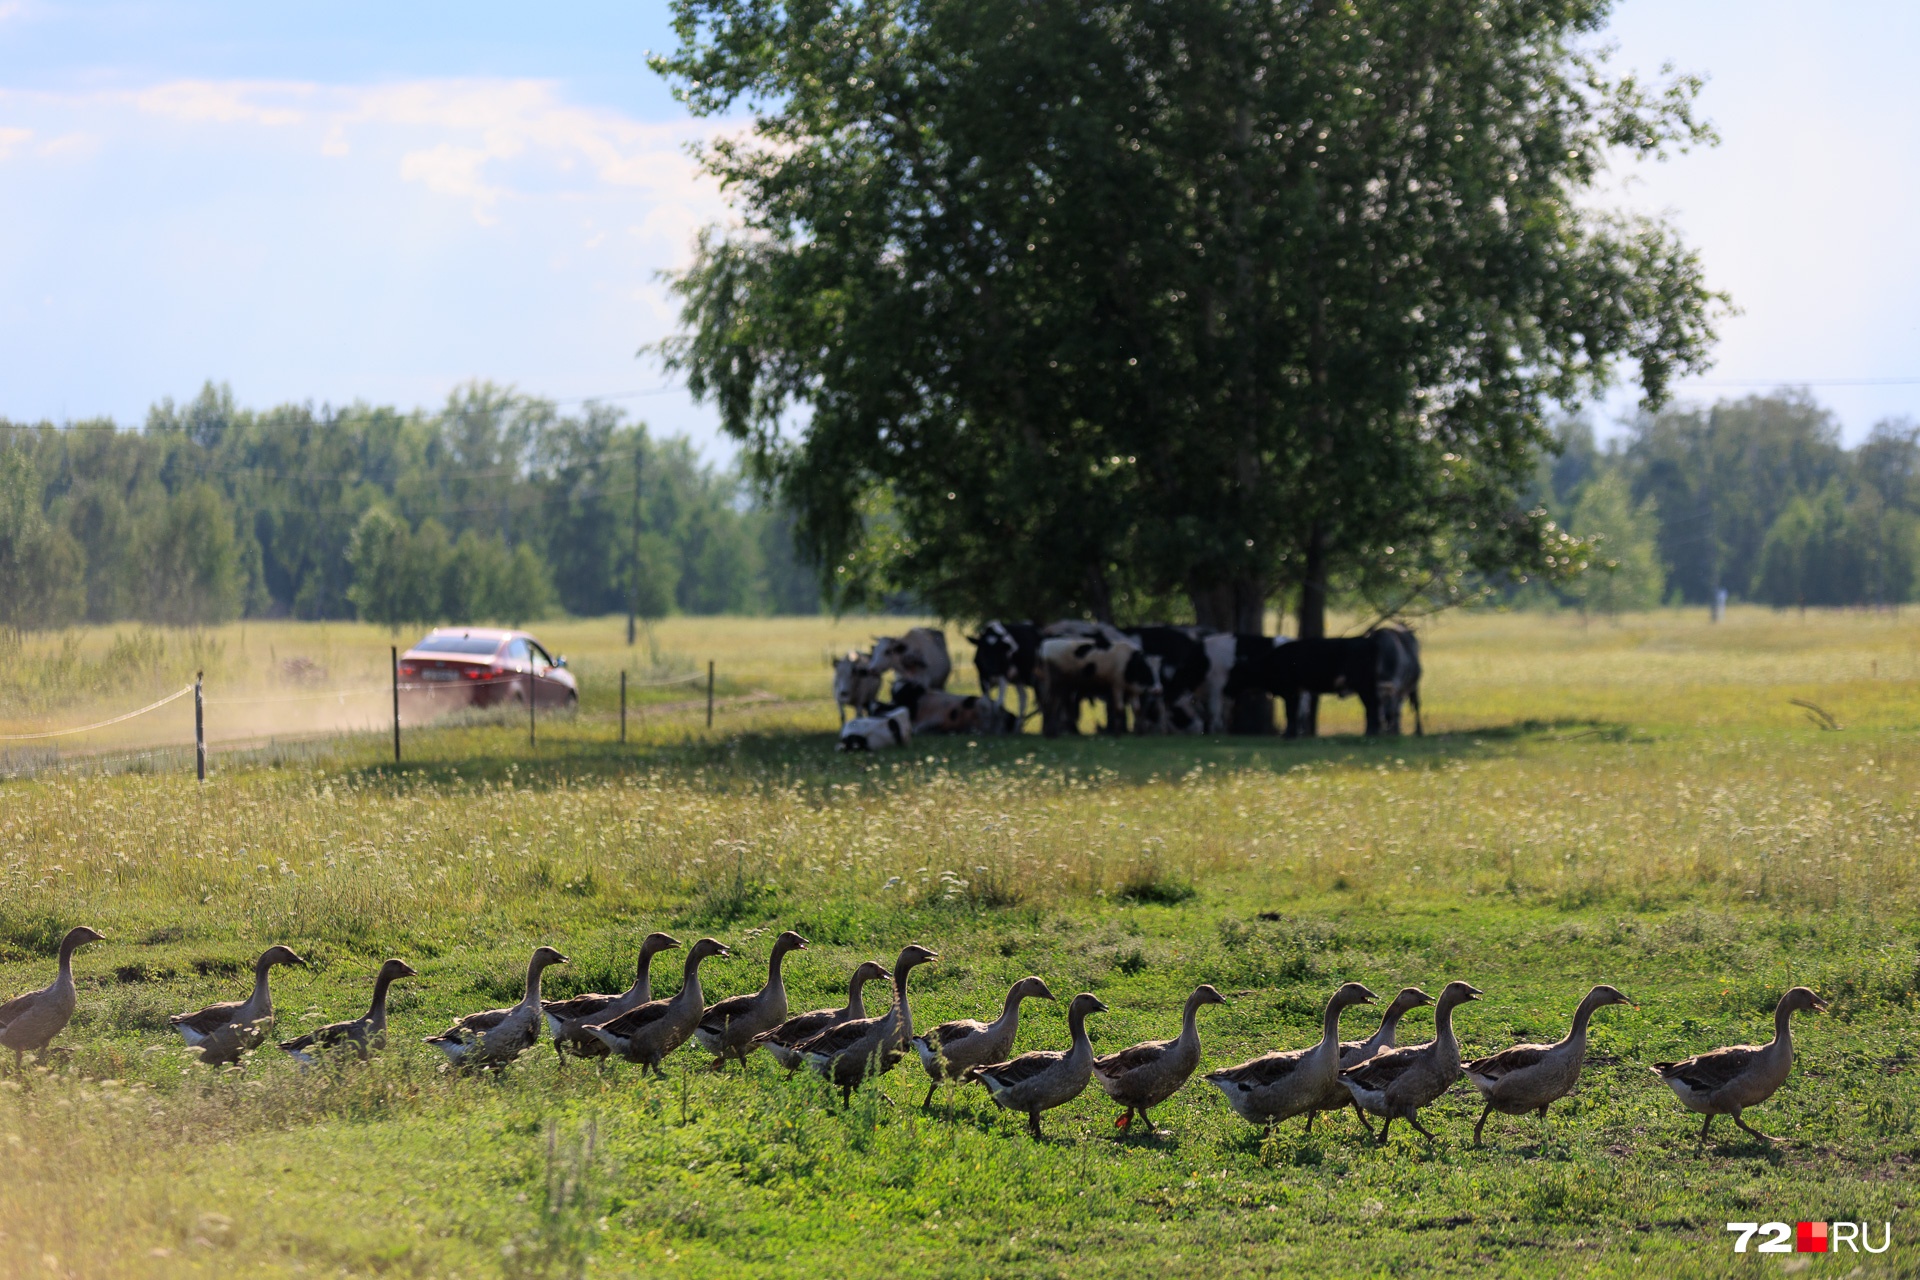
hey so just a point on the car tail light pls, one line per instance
(480, 673)
(408, 669)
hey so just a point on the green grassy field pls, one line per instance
(1637, 803)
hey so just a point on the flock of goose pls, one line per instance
(846, 1047)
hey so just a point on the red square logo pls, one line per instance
(1812, 1237)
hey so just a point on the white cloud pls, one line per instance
(12, 139)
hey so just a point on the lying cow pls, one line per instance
(856, 685)
(937, 711)
(919, 656)
(1076, 669)
(1358, 666)
(877, 733)
(1007, 653)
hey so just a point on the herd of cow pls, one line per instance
(1164, 679)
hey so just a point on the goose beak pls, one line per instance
(1819, 1005)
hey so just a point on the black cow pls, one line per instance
(1379, 668)
(1007, 653)
(1398, 677)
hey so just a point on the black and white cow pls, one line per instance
(1227, 652)
(919, 656)
(856, 685)
(877, 733)
(936, 711)
(1181, 664)
(1007, 653)
(1075, 669)
(1379, 668)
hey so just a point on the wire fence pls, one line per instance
(508, 691)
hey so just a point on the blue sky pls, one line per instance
(343, 201)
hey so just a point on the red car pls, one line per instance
(486, 667)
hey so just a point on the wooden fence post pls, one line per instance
(199, 725)
(709, 693)
(393, 651)
(533, 695)
(623, 708)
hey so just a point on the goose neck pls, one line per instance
(1443, 1023)
(1581, 1018)
(1783, 1024)
(1190, 1022)
(261, 998)
(378, 1010)
(774, 962)
(857, 997)
(1009, 1011)
(534, 970)
(1077, 1025)
(1330, 1026)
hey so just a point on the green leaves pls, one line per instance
(1284, 258)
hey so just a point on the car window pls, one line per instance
(458, 643)
(517, 650)
(540, 659)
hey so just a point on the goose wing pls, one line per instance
(208, 1020)
(1382, 1069)
(1709, 1071)
(1131, 1059)
(1261, 1071)
(717, 1016)
(634, 1019)
(1006, 1075)
(575, 1008)
(474, 1024)
(799, 1027)
(949, 1034)
(1497, 1066)
(841, 1038)
(331, 1034)
(17, 1006)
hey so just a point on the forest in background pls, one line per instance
(497, 508)
(502, 508)
(1756, 496)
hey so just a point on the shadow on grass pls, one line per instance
(476, 755)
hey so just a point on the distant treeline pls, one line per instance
(1756, 496)
(499, 507)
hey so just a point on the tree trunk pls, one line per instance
(1099, 597)
(1240, 608)
(1313, 617)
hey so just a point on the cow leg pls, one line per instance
(1413, 697)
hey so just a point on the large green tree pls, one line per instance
(1061, 306)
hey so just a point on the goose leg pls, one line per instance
(1310, 1116)
(1033, 1122)
(1148, 1121)
(928, 1101)
(1415, 1122)
(1704, 1126)
(1361, 1116)
(1385, 1125)
(846, 1095)
(1482, 1121)
(1750, 1129)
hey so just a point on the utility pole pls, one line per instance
(633, 551)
